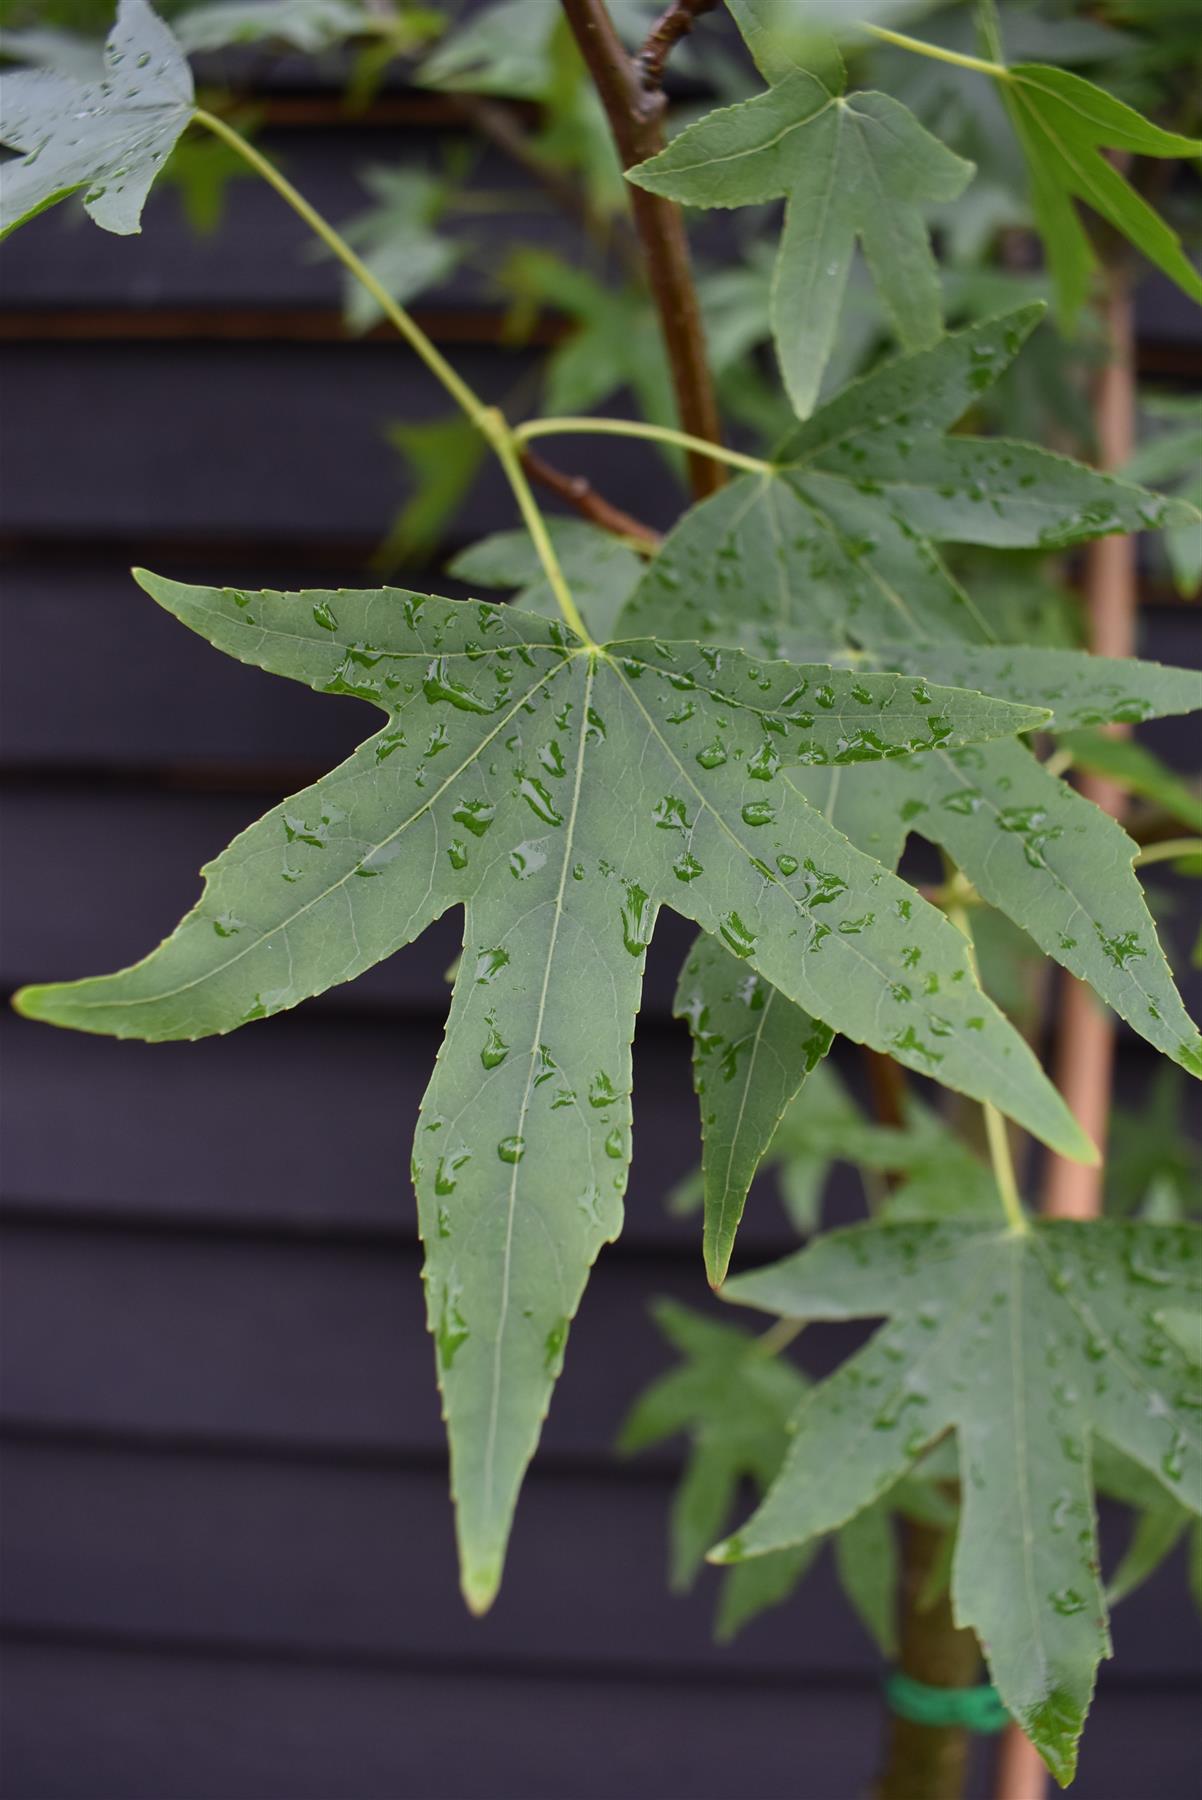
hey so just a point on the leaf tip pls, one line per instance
(43, 1003)
(1177, 511)
(637, 174)
(27, 1002)
(1054, 1727)
(1073, 1142)
(480, 1587)
(1085, 1150)
(149, 581)
(154, 585)
(730, 1550)
(717, 1264)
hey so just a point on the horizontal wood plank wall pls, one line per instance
(229, 1569)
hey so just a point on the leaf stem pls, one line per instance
(998, 70)
(489, 421)
(1169, 850)
(505, 444)
(998, 1139)
(774, 1340)
(996, 1133)
(636, 428)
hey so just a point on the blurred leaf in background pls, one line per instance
(1170, 460)
(398, 238)
(443, 458)
(733, 1396)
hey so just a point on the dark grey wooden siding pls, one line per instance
(229, 1570)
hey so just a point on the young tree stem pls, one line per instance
(928, 1762)
(635, 116)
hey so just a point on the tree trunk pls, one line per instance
(928, 1762)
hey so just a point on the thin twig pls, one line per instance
(583, 496)
(636, 120)
(672, 25)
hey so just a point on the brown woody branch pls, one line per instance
(673, 24)
(583, 496)
(635, 115)
(928, 1762)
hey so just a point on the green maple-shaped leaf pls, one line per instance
(1025, 1346)
(1065, 125)
(830, 555)
(856, 167)
(110, 136)
(561, 794)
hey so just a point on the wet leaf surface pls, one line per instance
(109, 136)
(1027, 1347)
(561, 794)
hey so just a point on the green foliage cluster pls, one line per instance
(861, 638)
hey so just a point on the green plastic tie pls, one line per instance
(976, 1709)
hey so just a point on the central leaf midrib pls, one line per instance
(494, 1409)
